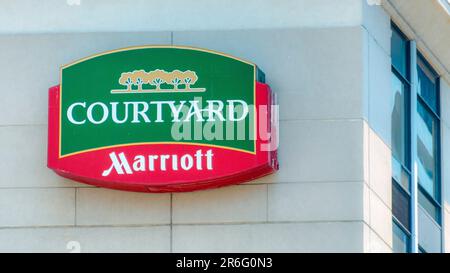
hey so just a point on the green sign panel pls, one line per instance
(157, 95)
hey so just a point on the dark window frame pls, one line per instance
(404, 230)
(407, 165)
(427, 100)
(395, 28)
(401, 190)
(436, 115)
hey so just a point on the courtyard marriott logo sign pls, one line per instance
(162, 119)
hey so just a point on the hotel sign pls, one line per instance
(162, 119)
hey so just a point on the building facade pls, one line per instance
(364, 95)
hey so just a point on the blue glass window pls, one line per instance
(427, 131)
(400, 121)
(428, 140)
(428, 151)
(425, 139)
(401, 205)
(400, 52)
(427, 85)
(430, 206)
(400, 239)
(401, 141)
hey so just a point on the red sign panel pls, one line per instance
(127, 120)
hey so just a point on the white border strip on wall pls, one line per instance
(413, 136)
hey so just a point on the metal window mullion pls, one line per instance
(414, 178)
(440, 172)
